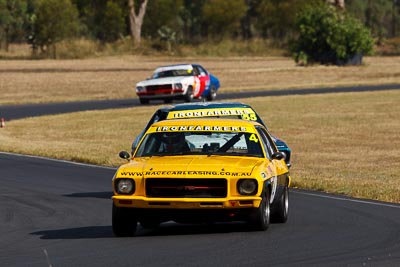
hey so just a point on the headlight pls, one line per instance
(140, 89)
(247, 186)
(125, 186)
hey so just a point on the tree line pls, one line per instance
(43, 23)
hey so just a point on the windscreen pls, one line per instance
(172, 73)
(198, 143)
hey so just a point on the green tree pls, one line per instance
(162, 14)
(99, 17)
(222, 18)
(29, 20)
(395, 18)
(329, 36)
(112, 24)
(247, 22)
(276, 18)
(192, 21)
(55, 21)
(12, 17)
(91, 13)
(378, 17)
(357, 8)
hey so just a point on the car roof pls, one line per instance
(204, 121)
(174, 67)
(204, 105)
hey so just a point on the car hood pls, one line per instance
(166, 80)
(190, 166)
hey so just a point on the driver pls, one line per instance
(174, 142)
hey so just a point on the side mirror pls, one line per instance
(279, 155)
(124, 155)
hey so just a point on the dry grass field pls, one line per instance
(345, 143)
(30, 81)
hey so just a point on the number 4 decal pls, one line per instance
(253, 138)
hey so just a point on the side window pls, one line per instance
(196, 71)
(158, 116)
(202, 71)
(267, 142)
(271, 142)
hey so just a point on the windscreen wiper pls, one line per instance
(230, 143)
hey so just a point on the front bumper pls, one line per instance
(186, 203)
(162, 94)
(189, 210)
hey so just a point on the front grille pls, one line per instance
(159, 88)
(180, 188)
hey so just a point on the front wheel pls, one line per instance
(149, 224)
(280, 210)
(260, 218)
(123, 221)
(189, 94)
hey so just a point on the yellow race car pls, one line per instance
(201, 171)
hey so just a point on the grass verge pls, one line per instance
(345, 143)
(43, 81)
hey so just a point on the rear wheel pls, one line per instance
(260, 218)
(189, 94)
(124, 222)
(212, 94)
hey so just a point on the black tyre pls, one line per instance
(280, 209)
(259, 220)
(143, 101)
(149, 224)
(123, 221)
(189, 95)
(212, 94)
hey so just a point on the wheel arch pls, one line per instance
(267, 187)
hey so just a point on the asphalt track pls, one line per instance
(12, 112)
(56, 213)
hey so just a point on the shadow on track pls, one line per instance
(103, 195)
(88, 232)
(165, 229)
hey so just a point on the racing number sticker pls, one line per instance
(253, 138)
(249, 117)
(197, 85)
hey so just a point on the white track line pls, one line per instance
(59, 160)
(349, 199)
